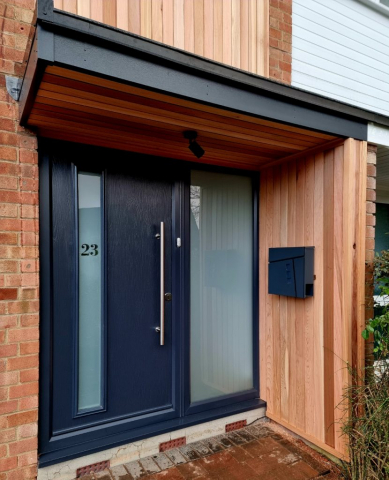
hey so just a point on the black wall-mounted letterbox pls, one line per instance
(291, 271)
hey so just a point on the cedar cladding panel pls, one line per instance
(77, 107)
(320, 201)
(233, 32)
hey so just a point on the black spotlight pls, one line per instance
(194, 147)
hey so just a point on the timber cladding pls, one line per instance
(317, 200)
(232, 32)
(83, 108)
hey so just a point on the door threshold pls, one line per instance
(105, 448)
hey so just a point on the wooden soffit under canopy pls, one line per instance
(78, 107)
(90, 83)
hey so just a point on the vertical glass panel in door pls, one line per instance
(89, 294)
(221, 279)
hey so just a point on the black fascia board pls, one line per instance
(45, 9)
(83, 45)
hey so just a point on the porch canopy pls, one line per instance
(91, 83)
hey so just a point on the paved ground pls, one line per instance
(256, 452)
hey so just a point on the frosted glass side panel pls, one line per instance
(221, 284)
(90, 283)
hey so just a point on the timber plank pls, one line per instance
(122, 15)
(226, 35)
(348, 222)
(300, 321)
(96, 10)
(262, 43)
(50, 83)
(84, 8)
(284, 337)
(319, 297)
(134, 23)
(339, 362)
(78, 89)
(198, 6)
(328, 292)
(53, 98)
(137, 140)
(225, 143)
(145, 18)
(168, 22)
(208, 30)
(244, 34)
(189, 32)
(204, 108)
(252, 33)
(227, 32)
(276, 363)
(218, 30)
(157, 20)
(309, 330)
(235, 33)
(291, 302)
(70, 6)
(109, 12)
(148, 150)
(179, 24)
(175, 133)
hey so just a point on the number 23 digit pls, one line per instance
(86, 248)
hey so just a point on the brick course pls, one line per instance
(280, 40)
(19, 294)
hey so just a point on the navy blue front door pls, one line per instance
(139, 368)
(125, 237)
(109, 364)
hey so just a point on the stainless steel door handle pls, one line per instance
(161, 328)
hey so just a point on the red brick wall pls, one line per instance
(280, 40)
(370, 241)
(18, 260)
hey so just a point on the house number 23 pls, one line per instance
(89, 249)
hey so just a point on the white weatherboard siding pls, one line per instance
(341, 50)
(378, 134)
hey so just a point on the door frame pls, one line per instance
(81, 442)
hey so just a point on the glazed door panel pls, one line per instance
(109, 364)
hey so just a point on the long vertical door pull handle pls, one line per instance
(162, 287)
